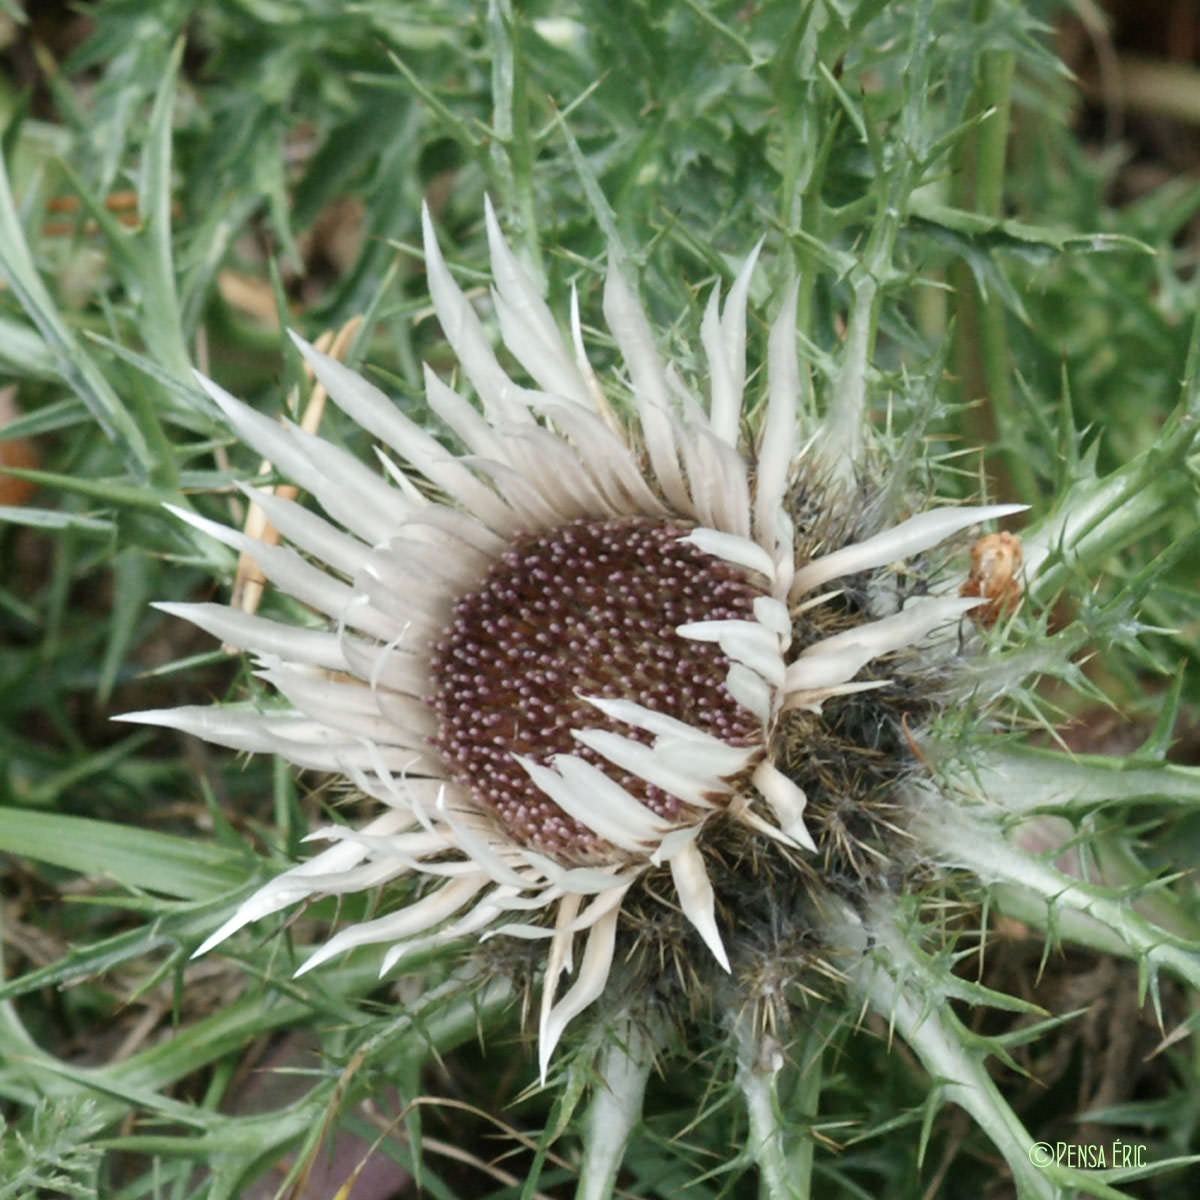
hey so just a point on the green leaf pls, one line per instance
(24, 354)
(73, 363)
(139, 859)
(48, 518)
(997, 233)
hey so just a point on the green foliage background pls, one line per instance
(911, 161)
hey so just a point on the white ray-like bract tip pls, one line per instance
(589, 798)
(460, 415)
(474, 921)
(777, 437)
(583, 365)
(599, 906)
(910, 537)
(745, 642)
(631, 331)
(526, 323)
(740, 551)
(773, 615)
(298, 738)
(271, 439)
(502, 399)
(589, 983)
(379, 415)
(629, 712)
(348, 491)
(416, 917)
(677, 744)
(261, 636)
(749, 689)
(476, 844)
(812, 700)
(294, 575)
(380, 717)
(558, 960)
(696, 897)
(641, 760)
(723, 335)
(334, 547)
(838, 659)
(292, 886)
(787, 801)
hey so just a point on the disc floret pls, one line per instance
(585, 610)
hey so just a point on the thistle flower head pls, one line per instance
(605, 636)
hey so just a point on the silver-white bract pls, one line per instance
(385, 566)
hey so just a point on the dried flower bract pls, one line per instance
(599, 658)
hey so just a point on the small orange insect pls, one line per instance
(995, 566)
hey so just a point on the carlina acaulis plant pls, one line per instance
(652, 737)
(591, 672)
(638, 685)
